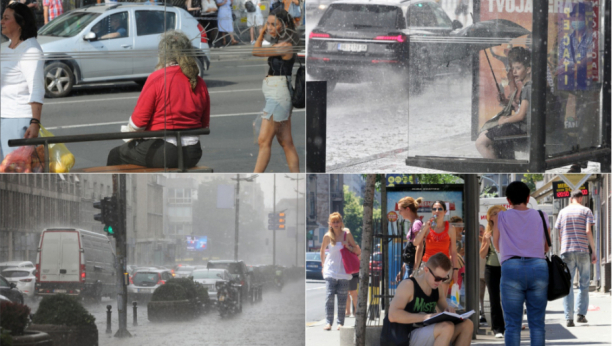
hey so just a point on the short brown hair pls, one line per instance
(577, 194)
(456, 219)
(439, 260)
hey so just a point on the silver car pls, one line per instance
(209, 278)
(112, 42)
(24, 278)
(144, 282)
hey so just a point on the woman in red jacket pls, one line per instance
(174, 97)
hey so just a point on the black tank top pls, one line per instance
(396, 334)
(280, 67)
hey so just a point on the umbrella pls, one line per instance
(482, 35)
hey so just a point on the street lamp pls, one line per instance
(250, 179)
(297, 187)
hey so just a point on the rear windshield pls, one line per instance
(232, 268)
(313, 256)
(360, 16)
(377, 257)
(186, 269)
(208, 275)
(141, 278)
(15, 274)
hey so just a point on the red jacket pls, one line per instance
(183, 109)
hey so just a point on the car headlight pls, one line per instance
(322, 7)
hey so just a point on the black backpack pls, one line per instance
(408, 253)
(299, 92)
(248, 5)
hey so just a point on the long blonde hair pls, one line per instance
(330, 232)
(411, 203)
(175, 48)
(493, 210)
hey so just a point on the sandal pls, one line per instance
(327, 327)
(339, 326)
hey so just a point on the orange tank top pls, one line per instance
(437, 242)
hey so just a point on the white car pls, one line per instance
(16, 264)
(24, 278)
(209, 278)
(112, 42)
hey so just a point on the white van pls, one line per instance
(75, 262)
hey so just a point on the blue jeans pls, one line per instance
(340, 288)
(524, 281)
(582, 262)
(11, 128)
(408, 271)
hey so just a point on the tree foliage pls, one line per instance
(353, 213)
(531, 179)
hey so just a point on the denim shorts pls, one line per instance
(278, 98)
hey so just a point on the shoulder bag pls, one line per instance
(349, 259)
(559, 277)
(249, 6)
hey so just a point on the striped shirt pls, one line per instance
(572, 223)
(55, 8)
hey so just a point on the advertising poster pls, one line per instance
(573, 58)
(451, 194)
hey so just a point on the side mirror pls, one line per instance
(90, 36)
(12, 285)
(457, 25)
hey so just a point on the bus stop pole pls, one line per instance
(537, 152)
(471, 202)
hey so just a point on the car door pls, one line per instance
(150, 24)
(108, 56)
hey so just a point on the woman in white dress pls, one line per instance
(225, 20)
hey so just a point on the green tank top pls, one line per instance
(492, 259)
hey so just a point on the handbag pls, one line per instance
(294, 10)
(248, 5)
(350, 260)
(298, 99)
(506, 112)
(559, 277)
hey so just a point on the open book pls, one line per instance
(448, 316)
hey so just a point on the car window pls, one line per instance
(358, 16)
(421, 15)
(113, 26)
(16, 274)
(442, 19)
(209, 274)
(68, 25)
(3, 282)
(313, 256)
(141, 278)
(152, 22)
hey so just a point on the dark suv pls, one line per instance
(239, 272)
(356, 40)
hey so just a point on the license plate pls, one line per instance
(59, 291)
(352, 47)
(313, 266)
(144, 290)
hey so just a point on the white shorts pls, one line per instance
(423, 336)
(254, 19)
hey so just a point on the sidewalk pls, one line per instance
(596, 332)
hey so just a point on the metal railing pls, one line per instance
(111, 136)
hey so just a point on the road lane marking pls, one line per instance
(318, 288)
(135, 97)
(124, 122)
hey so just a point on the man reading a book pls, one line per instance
(415, 302)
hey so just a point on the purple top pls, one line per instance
(414, 229)
(521, 233)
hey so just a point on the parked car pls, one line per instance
(4, 299)
(10, 291)
(16, 264)
(359, 40)
(238, 270)
(79, 47)
(376, 263)
(313, 266)
(209, 278)
(144, 282)
(75, 262)
(23, 278)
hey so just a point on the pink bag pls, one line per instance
(350, 260)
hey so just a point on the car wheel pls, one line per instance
(59, 80)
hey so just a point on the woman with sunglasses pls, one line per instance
(416, 300)
(492, 274)
(407, 208)
(337, 281)
(439, 236)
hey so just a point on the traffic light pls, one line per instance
(276, 221)
(108, 214)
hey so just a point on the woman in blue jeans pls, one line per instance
(336, 279)
(519, 235)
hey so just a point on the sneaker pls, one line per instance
(570, 323)
(582, 319)
(499, 335)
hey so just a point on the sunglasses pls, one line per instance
(437, 209)
(437, 278)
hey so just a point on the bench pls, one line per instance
(119, 135)
(506, 146)
(139, 169)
